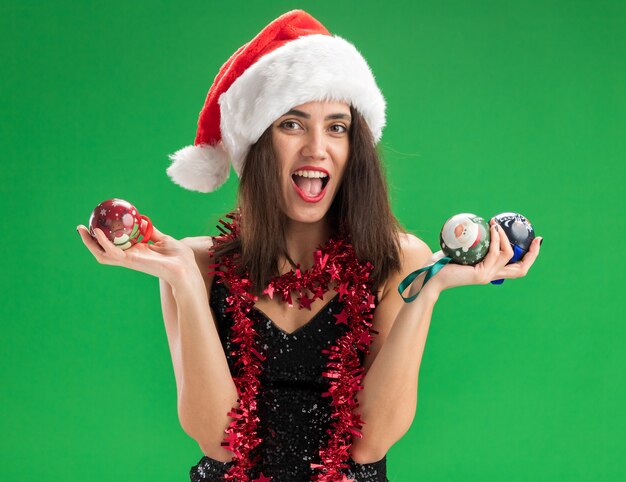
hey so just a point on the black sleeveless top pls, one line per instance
(294, 414)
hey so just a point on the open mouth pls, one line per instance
(310, 184)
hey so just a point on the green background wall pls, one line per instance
(492, 106)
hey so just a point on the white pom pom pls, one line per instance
(201, 168)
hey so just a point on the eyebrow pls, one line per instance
(299, 113)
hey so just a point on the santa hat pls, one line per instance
(292, 61)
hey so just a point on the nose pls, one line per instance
(315, 144)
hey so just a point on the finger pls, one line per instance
(506, 250)
(494, 246)
(92, 245)
(521, 268)
(88, 240)
(156, 235)
(110, 249)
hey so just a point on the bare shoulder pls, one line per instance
(413, 248)
(414, 254)
(201, 246)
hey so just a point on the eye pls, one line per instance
(290, 125)
(338, 128)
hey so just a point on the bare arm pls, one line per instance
(205, 389)
(388, 400)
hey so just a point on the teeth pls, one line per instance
(311, 174)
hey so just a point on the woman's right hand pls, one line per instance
(168, 258)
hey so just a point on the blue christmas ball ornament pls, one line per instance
(520, 233)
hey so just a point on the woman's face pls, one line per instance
(312, 146)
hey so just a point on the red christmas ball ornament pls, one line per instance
(121, 223)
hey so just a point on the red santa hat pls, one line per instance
(292, 61)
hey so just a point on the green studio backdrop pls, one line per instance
(492, 106)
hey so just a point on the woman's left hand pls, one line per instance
(492, 267)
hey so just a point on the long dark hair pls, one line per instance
(360, 210)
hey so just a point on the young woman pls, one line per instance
(271, 391)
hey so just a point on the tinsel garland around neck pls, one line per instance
(335, 260)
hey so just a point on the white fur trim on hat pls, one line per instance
(201, 168)
(310, 68)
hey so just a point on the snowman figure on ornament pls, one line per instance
(120, 229)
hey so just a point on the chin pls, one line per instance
(309, 218)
